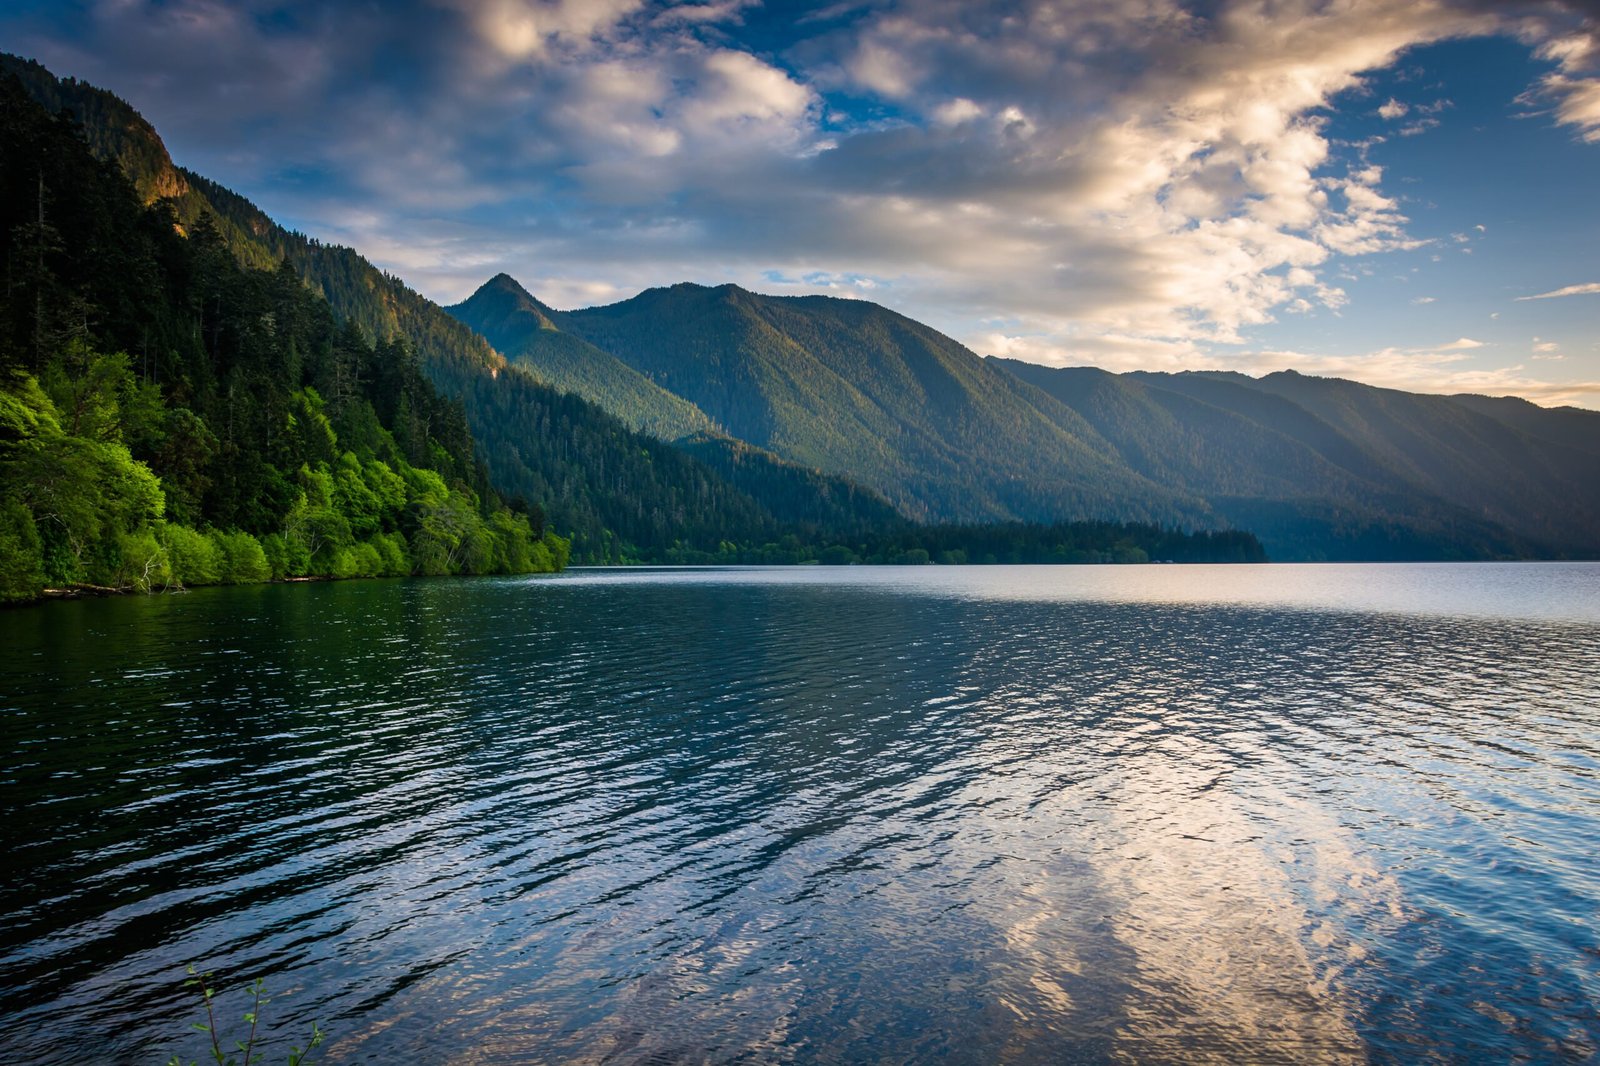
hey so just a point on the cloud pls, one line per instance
(955, 112)
(1587, 289)
(1575, 85)
(738, 92)
(1441, 370)
(1123, 179)
(526, 29)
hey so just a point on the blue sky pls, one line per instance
(1397, 191)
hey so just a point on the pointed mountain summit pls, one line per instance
(503, 301)
(523, 330)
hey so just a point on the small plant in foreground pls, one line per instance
(247, 1047)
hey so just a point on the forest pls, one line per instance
(190, 395)
(996, 543)
(170, 417)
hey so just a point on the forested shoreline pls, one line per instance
(1062, 543)
(170, 418)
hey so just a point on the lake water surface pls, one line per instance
(975, 815)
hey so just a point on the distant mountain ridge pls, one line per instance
(1323, 467)
(1318, 468)
(852, 388)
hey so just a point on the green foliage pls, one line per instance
(81, 494)
(21, 554)
(243, 561)
(194, 558)
(171, 418)
(247, 1055)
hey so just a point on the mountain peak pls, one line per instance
(504, 281)
(503, 296)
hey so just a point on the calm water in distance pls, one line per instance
(900, 815)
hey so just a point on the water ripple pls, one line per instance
(893, 816)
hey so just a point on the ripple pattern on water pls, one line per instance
(789, 817)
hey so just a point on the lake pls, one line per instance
(1294, 814)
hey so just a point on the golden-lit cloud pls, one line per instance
(1079, 179)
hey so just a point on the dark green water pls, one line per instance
(1154, 814)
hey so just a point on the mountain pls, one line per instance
(1327, 468)
(522, 329)
(117, 133)
(854, 389)
(169, 417)
(1318, 468)
(620, 494)
(1573, 427)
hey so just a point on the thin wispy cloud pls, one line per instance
(1591, 288)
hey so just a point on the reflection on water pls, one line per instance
(977, 815)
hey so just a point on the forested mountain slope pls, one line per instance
(1318, 468)
(521, 329)
(115, 132)
(168, 416)
(1542, 489)
(618, 493)
(1573, 427)
(852, 388)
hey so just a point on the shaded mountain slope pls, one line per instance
(521, 329)
(1572, 427)
(852, 388)
(359, 292)
(1424, 447)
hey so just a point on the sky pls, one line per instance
(1403, 192)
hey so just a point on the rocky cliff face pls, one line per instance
(112, 127)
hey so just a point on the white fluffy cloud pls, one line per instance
(1088, 180)
(1575, 86)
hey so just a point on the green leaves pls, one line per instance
(246, 1047)
(82, 494)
